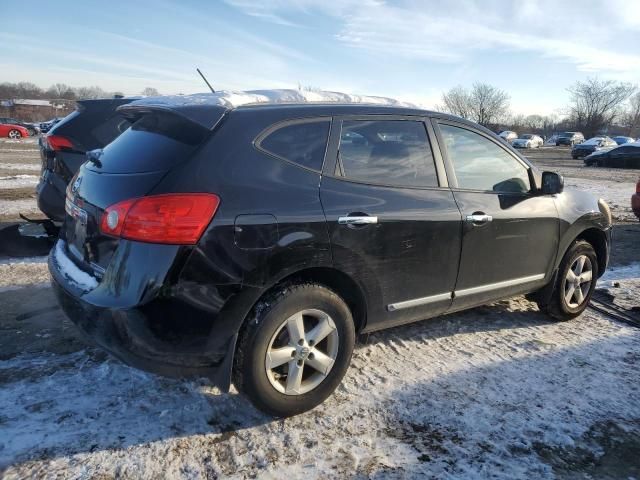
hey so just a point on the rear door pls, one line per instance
(393, 223)
(510, 234)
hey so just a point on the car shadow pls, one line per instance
(65, 401)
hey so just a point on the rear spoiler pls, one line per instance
(206, 116)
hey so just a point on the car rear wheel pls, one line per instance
(575, 283)
(15, 134)
(294, 349)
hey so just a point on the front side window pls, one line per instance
(302, 143)
(480, 164)
(388, 152)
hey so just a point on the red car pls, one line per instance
(635, 200)
(12, 131)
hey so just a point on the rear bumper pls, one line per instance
(51, 192)
(160, 334)
(635, 204)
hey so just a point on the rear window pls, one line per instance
(303, 143)
(157, 141)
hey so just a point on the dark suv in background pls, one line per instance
(569, 138)
(254, 243)
(93, 124)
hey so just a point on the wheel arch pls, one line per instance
(598, 240)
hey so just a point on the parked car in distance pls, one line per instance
(635, 200)
(237, 243)
(508, 136)
(569, 138)
(621, 140)
(622, 156)
(8, 130)
(48, 125)
(33, 131)
(93, 124)
(592, 145)
(528, 140)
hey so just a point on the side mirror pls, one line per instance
(552, 183)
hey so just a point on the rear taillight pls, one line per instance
(178, 219)
(58, 142)
(638, 187)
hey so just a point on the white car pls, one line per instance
(528, 140)
(508, 136)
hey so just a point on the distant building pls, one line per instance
(35, 110)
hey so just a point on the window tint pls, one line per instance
(157, 141)
(302, 143)
(480, 164)
(392, 152)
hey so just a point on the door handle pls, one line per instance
(479, 218)
(361, 220)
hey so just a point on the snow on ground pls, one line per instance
(18, 181)
(616, 194)
(20, 166)
(484, 393)
(25, 206)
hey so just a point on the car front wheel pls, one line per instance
(575, 283)
(15, 134)
(294, 349)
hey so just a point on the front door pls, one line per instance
(510, 233)
(393, 223)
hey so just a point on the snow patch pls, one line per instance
(70, 271)
(20, 166)
(234, 98)
(621, 273)
(17, 181)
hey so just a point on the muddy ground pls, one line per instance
(496, 392)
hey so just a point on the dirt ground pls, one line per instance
(496, 392)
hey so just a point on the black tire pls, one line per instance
(558, 306)
(250, 374)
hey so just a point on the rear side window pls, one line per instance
(303, 143)
(157, 141)
(388, 152)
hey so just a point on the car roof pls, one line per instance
(206, 109)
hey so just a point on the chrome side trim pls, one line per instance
(498, 285)
(366, 220)
(392, 307)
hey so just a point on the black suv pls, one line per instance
(93, 124)
(254, 243)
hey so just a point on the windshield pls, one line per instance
(526, 136)
(594, 141)
(566, 134)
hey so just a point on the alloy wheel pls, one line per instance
(302, 352)
(14, 134)
(578, 281)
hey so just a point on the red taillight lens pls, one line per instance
(178, 219)
(58, 142)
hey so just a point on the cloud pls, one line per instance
(445, 31)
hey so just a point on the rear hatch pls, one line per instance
(127, 169)
(94, 124)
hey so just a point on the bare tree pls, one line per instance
(631, 117)
(484, 104)
(595, 104)
(150, 92)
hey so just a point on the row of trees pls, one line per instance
(59, 91)
(595, 106)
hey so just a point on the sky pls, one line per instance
(409, 50)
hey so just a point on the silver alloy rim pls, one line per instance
(578, 281)
(302, 352)
(14, 134)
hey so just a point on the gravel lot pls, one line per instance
(498, 391)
